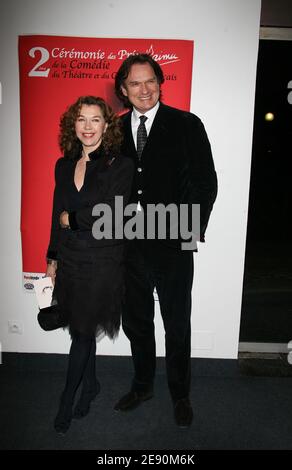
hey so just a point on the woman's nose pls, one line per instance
(87, 124)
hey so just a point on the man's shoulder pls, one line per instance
(179, 119)
(170, 113)
(126, 115)
(178, 114)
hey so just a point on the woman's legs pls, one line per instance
(79, 355)
(90, 385)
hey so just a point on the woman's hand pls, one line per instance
(64, 219)
(51, 270)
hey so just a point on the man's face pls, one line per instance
(141, 87)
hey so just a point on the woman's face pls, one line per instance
(90, 126)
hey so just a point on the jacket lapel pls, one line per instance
(156, 135)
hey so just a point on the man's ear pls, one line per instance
(124, 91)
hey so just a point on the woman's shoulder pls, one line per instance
(61, 162)
(61, 165)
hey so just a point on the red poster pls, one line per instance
(54, 71)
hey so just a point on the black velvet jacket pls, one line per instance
(176, 164)
(105, 178)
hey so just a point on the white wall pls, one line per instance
(226, 43)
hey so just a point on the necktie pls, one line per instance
(141, 136)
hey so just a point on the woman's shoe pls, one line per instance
(63, 419)
(83, 405)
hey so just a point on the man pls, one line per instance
(173, 166)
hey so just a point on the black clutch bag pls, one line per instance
(52, 318)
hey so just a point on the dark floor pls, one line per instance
(266, 314)
(235, 407)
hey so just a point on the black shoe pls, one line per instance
(83, 405)
(183, 413)
(63, 419)
(132, 400)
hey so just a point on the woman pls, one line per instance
(86, 271)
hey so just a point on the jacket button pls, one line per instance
(140, 191)
(139, 169)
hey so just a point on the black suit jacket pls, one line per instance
(105, 178)
(177, 164)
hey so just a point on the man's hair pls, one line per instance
(124, 71)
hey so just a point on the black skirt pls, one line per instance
(89, 286)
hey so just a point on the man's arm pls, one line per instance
(203, 178)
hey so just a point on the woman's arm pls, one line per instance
(52, 252)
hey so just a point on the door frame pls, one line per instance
(279, 34)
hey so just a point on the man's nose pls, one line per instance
(144, 88)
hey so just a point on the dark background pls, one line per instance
(267, 291)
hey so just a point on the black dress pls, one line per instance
(89, 283)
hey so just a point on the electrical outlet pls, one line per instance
(15, 327)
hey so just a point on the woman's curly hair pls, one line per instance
(69, 142)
